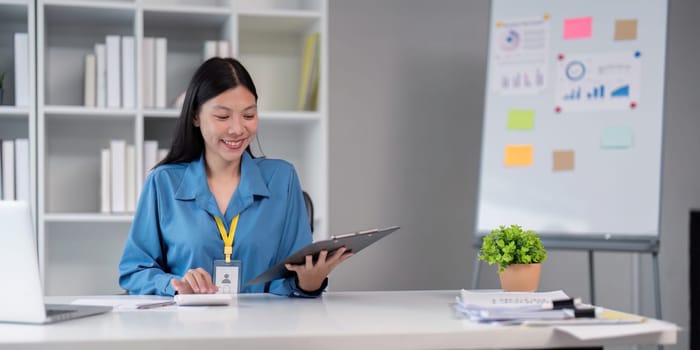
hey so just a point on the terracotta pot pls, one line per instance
(521, 277)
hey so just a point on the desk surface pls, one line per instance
(338, 320)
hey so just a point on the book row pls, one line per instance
(118, 190)
(14, 170)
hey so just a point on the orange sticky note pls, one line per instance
(626, 29)
(563, 160)
(578, 28)
(518, 155)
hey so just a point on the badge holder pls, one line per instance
(227, 276)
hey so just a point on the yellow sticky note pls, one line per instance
(518, 155)
(626, 29)
(563, 160)
(521, 119)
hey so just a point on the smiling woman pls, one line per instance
(179, 241)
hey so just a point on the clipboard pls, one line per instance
(353, 242)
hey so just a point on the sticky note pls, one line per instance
(626, 29)
(578, 28)
(616, 137)
(563, 160)
(521, 119)
(518, 155)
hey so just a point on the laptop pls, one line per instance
(21, 297)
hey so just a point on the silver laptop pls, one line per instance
(21, 297)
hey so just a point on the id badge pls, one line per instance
(227, 276)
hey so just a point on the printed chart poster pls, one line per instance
(598, 82)
(519, 54)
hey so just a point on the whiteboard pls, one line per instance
(573, 117)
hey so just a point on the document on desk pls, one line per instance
(498, 298)
(607, 330)
(128, 303)
(498, 306)
(603, 316)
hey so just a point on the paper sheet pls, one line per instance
(129, 304)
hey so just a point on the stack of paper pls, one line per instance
(490, 306)
(534, 309)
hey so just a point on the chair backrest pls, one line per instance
(309, 209)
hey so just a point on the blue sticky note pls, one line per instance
(616, 137)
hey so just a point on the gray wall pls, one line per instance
(406, 102)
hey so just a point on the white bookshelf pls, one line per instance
(76, 241)
(17, 16)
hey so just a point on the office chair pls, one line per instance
(309, 210)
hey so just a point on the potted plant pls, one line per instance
(518, 254)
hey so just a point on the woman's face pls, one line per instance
(228, 123)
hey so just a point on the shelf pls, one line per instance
(290, 117)
(87, 217)
(14, 3)
(211, 4)
(78, 112)
(194, 16)
(87, 4)
(278, 21)
(161, 113)
(277, 5)
(13, 112)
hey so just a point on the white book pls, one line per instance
(224, 49)
(160, 71)
(22, 170)
(210, 47)
(148, 56)
(21, 69)
(150, 156)
(128, 72)
(89, 81)
(114, 92)
(8, 170)
(101, 75)
(162, 153)
(117, 150)
(105, 181)
(130, 179)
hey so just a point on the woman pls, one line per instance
(210, 203)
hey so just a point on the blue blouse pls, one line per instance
(174, 228)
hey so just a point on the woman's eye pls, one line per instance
(221, 117)
(249, 117)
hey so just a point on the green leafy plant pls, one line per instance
(512, 245)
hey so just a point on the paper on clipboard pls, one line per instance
(353, 242)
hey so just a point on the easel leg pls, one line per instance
(657, 284)
(475, 274)
(591, 276)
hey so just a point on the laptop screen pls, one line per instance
(22, 300)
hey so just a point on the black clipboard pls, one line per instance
(353, 242)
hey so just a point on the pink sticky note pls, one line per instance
(578, 28)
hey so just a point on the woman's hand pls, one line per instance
(311, 276)
(195, 281)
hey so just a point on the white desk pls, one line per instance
(340, 320)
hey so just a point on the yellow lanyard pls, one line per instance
(228, 238)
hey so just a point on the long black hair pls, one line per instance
(212, 78)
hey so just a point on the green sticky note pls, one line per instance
(616, 137)
(521, 119)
